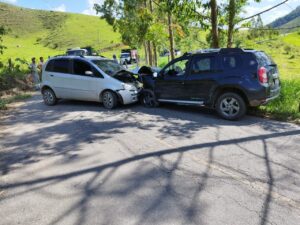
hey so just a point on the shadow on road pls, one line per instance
(52, 139)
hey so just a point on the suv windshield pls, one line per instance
(109, 67)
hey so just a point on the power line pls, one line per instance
(257, 14)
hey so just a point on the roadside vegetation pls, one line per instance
(4, 101)
(151, 27)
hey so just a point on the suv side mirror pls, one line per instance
(89, 73)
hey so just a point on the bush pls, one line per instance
(287, 49)
(287, 106)
(9, 76)
(292, 57)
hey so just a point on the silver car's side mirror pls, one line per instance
(155, 74)
(89, 73)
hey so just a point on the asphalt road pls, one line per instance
(77, 163)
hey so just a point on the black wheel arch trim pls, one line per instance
(120, 98)
(217, 91)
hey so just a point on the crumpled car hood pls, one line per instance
(129, 78)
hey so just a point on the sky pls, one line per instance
(86, 7)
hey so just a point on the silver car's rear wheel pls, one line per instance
(49, 97)
(109, 100)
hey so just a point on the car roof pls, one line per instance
(88, 58)
(220, 50)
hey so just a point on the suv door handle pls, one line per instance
(51, 75)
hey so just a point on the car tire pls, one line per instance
(149, 99)
(109, 100)
(49, 97)
(231, 106)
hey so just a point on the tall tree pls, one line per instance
(231, 16)
(214, 23)
(234, 9)
(131, 18)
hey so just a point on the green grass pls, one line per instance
(19, 97)
(293, 38)
(287, 106)
(35, 33)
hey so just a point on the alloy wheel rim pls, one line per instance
(48, 97)
(108, 100)
(230, 106)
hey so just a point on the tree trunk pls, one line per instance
(154, 61)
(171, 36)
(150, 53)
(146, 53)
(214, 23)
(155, 54)
(231, 23)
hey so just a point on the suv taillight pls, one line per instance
(262, 75)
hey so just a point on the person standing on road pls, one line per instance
(115, 58)
(40, 67)
(34, 73)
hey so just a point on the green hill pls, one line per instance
(292, 16)
(47, 33)
(293, 23)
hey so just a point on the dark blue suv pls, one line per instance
(227, 80)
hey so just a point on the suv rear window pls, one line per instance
(203, 64)
(264, 59)
(231, 62)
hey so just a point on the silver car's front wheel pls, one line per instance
(109, 100)
(49, 97)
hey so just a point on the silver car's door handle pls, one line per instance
(51, 75)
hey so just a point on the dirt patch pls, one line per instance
(11, 99)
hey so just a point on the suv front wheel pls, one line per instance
(231, 106)
(149, 99)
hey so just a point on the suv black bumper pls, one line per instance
(274, 94)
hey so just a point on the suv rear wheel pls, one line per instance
(231, 106)
(109, 100)
(49, 97)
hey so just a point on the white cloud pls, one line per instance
(90, 10)
(61, 8)
(10, 1)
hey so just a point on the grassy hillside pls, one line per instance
(36, 32)
(293, 23)
(287, 18)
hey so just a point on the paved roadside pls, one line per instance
(77, 163)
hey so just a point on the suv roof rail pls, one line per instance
(59, 55)
(230, 50)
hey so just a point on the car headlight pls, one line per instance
(127, 87)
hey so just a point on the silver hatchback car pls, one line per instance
(89, 78)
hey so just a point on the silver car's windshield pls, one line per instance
(109, 67)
